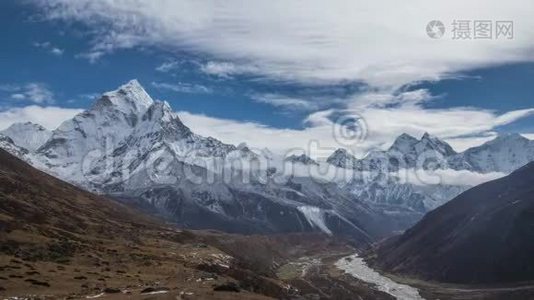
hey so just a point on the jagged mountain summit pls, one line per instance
(506, 153)
(411, 151)
(406, 152)
(117, 134)
(27, 135)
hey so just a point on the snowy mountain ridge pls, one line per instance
(505, 153)
(138, 150)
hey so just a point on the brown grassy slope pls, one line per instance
(56, 239)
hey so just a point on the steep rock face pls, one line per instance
(27, 135)
(482, 236)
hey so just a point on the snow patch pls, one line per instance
(315, 216)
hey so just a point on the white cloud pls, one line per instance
(92, 56)
(446, 176)
(35, 92)
(167, 66)
(380, 43)
(57, 51)
(227, 69)
(512, 116)
(385, 97)
(18, 96)
(183, 87)
(462, 127)
(42, 44)
(49, 47)
(285, 101)
(50, 117)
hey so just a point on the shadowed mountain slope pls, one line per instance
(485, 235)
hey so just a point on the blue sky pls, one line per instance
(255, 77)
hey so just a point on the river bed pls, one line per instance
(356, 267)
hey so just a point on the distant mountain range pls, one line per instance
(505, 153)
(137, 149)
(485, 235)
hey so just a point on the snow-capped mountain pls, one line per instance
(506, 153)
(407, 152)
(136, 149)
(27, 135)
(117, 134)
